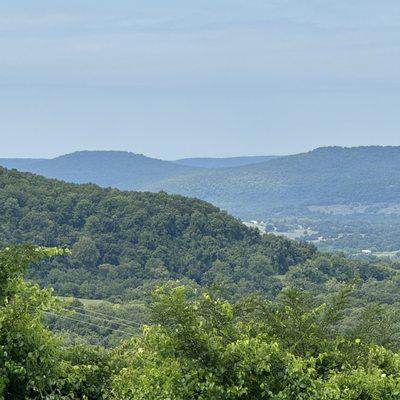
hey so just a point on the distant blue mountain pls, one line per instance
(226, 162)
(23, 164)
(325, 176)
(119, 169)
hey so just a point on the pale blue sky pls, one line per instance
(205, 77)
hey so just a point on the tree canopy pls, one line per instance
(196, 345)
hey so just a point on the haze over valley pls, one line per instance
(338, 198)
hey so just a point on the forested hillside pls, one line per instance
(121, 241)
(331, 175)
(119, 169)
(124, 244)
(325, 176)
(191, 290)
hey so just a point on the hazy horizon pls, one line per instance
(147, 155)
(195, 157)
(216, 78)
(166, 158)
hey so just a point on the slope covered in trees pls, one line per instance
(325, 176)
(121, 241)
(123, 244)
(332, 175)
(291, 323)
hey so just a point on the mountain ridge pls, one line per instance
(323, 176)
(120, 169)
(326, 175)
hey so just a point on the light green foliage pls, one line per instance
(86, 373)
(200, 347)
(28, 361)
(196, 350)
(370, 383)
(33, 364)
(379, 324)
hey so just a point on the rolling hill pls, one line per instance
(124, 241)
(118, 169)
(124, 244)
(322, 177)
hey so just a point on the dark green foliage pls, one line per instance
(123, 240)
(124, 244)
(85, 253)
(360, 185)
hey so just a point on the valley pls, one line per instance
(347, 197)
(199, 200)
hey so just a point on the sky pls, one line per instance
(179, 78)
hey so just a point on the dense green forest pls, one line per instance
(123, 241)
(124, 244)
(126, 295)
(196, 346)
